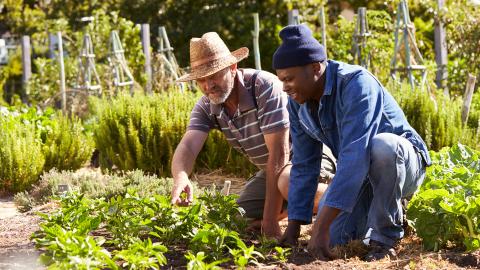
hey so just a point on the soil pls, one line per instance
(16, 249)
(18, 252)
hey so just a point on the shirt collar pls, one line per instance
(329, 77)
(245, 98)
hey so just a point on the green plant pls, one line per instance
(197, 262)
(434, 116)
(20, 155)
(66, 147)
(281, 254)
(143, 255)
(447, 207)
(245, 255)
(23, 201)
(224, 210)
(141, 132)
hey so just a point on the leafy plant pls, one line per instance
(143, 255)
(447, 207)
(20, 155)
(197, 262)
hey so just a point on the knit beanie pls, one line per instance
(298, 48)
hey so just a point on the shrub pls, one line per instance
(142, 132)
(32, 142)
(66, 147)
(21, 157)
(446, 209)
(435, 117)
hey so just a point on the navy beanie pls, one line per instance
(298, 48)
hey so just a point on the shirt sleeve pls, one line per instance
(200, 118)
(272, 104)
(307, 153)
(361, 111)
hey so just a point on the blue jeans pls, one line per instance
(396, 171)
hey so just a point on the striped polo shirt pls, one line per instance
(245, 130)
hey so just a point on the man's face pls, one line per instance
(298, 82)
(218, 86)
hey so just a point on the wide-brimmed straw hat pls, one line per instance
(208, 55)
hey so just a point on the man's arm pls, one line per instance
(278, 153)
(182, 164)
(307, 155)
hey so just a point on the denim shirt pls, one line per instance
(353, 109)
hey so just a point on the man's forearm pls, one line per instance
(273, 197)
(182, 162)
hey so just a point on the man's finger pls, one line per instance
(177, 190)
(329, 254)
(188, 190)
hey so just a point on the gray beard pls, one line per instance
(222, 98)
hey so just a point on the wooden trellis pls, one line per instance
(87, 77)
(166, 69)
(122, 77)
(406, 49)
(360, 55)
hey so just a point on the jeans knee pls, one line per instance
(383, 149)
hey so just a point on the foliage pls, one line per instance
(447, 207)
(143, 131)
(94, 185)
(143, 255)
(435, 117)
(20, 154)
(34, 141)
(65, 145)
(131, 226)
(463, 29)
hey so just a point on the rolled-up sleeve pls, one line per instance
(360, 104)
(307, 153)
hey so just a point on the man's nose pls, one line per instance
(210, 84)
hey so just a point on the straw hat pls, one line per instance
(209, 54)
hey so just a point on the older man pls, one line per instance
(250, 108)
(380, 157)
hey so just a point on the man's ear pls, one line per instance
(233, 68)
(317, 67)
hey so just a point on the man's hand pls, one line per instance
(290, 237)
(183, 185)
(271, 229)
(319, 244)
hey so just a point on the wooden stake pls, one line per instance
(441, 51)
(323, 27)
(26, 62)
(467, 99)
(145, 32)
(62, 72)
(256, 49)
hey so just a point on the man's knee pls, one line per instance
(283, 180)
(384, 149)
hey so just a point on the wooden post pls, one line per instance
(323, 27)
(51, 45)
(441, 51)
(145, 31)
(26, 62)
(62, 72)
(467, 99)
(256, 49)
(293, 17)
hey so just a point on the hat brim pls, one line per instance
(214, 66)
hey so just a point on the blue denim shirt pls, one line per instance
(353, 109)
